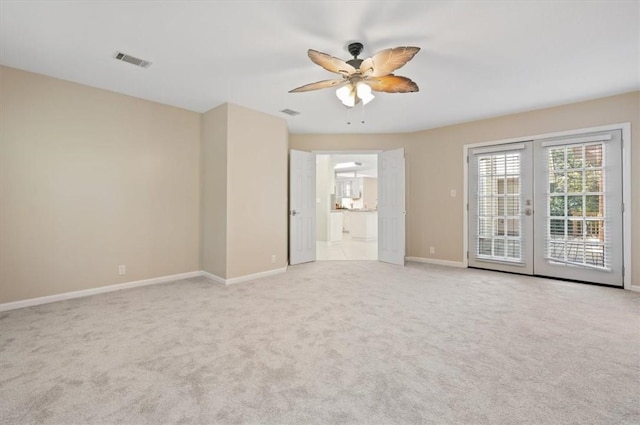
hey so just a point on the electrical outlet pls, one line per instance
(122, 269)
(273, 258)
(432, 250)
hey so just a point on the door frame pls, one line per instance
(350, 152)
(625, 127)
(346, 152)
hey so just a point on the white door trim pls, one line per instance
(625, 127)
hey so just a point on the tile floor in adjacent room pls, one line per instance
(347, 249)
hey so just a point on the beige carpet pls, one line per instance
(329, 343)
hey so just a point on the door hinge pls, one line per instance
(467, 255)
(467, 206)
(623, 207)
(623, 272)
(467, 159)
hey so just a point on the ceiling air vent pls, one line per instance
(132, 60)
(290, 112)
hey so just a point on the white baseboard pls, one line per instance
(460, 264)
(163, 279)
(211, 276)
(93, 291)
(448, 263)
(245, 278)
(135, 284)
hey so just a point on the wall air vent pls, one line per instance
(132, 60)
(290, 112)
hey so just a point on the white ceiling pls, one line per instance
(478, 59)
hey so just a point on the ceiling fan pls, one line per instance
(361, 76)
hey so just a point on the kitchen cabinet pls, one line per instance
(335, 226)
(346, 222)
(363, 225)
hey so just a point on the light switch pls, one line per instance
(453, 193)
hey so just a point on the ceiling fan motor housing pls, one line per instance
(355, 63)
(355, 49)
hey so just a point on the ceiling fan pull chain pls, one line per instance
(348, 115)
(362, 122)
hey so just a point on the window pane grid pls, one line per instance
(498, 208)
(576, 220)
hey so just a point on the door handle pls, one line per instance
(294, 212)
(528, 211)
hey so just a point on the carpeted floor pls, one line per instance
(329, 343)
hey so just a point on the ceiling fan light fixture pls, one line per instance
(347, 95)
(364, 92)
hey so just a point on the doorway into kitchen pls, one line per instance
(347, 206)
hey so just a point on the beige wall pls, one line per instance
(244, 192)
(89, 180)
(214, 191)
(442, 152)
(256, 192)
(434, 218)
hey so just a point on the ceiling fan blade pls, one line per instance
(331, 63)
(318, 85)
(388, 60)
(392, 84)
(366, 67)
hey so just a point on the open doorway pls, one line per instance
(347, 206)
(303, 205)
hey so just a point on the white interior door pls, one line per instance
(501, 208)
(391, 207)
(302, 208)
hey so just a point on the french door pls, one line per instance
(549, 207)
(500, 208)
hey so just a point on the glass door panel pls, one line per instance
(578, 208)
(500, 198)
